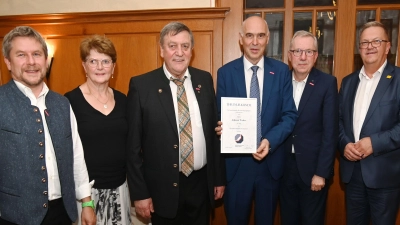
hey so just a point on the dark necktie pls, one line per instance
(255, 93)
(185, 129)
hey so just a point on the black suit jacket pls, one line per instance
(381, 169)
(315, 134)
(153, 139)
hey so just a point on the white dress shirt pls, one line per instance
(298, 89)
(199, 141)
(81, 177)
(248, 73)
(365, 92)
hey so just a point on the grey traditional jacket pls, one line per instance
(23, 173)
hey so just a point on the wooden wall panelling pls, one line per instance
(231, 29)
(134, 33)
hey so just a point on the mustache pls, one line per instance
(32, 67)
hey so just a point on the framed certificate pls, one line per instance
(239, 122)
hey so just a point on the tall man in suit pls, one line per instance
(42, 167)
(166, 118)
(369, 128)
(310, 149)
(257, 176)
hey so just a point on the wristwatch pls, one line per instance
(88, 204)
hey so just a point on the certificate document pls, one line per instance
(239, 122)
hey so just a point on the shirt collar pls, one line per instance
(247, 64)
(169, 75)
(28, 92)
(378, 72)
(303, 81)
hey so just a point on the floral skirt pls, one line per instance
(112, 206)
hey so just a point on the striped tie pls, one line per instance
(255, 93)
(185, 129)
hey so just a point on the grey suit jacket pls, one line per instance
(23, 174)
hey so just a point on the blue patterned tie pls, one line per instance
(255, 93)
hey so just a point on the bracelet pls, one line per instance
(88, 204)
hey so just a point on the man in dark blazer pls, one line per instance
(257, 176)
(158, 183)
(369, 129)
(310, 149)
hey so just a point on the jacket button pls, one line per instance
(43, 180)
(175, 146)
(175, 184)
(41, 144)
(41, 156)
(43, 168)
(40, 131)
(45, 205)
(44, 192)
(35, 110)
(38, 120)
(175, 165)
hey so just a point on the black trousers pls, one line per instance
(194, 204)
(56, 215)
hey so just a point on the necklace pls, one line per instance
(104, 103)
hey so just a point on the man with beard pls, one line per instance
(42, 168)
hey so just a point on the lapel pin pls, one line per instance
(271, 72)
(311, 83)
(159, 90)
(389, 76)
(198, 88)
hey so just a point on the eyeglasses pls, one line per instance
(299, 52)
(374, 43)
(106, 63)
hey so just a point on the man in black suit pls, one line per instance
(369, 128)
(175, 171)
(310, 149)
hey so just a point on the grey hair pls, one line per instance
(22, 31)
(174, 28)
(303, 33)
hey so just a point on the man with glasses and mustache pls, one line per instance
(310, 149)
(42, 168)
(369, 128)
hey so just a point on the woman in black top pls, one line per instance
(100, 113)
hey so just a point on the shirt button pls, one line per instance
(45, 205)
(38, 120)
(41, 156)
(41, 144)
(175, 165)
(43, 168)
(43, 180)
(40, 131)
(175, 184)
(44, 192)
(175, 146)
